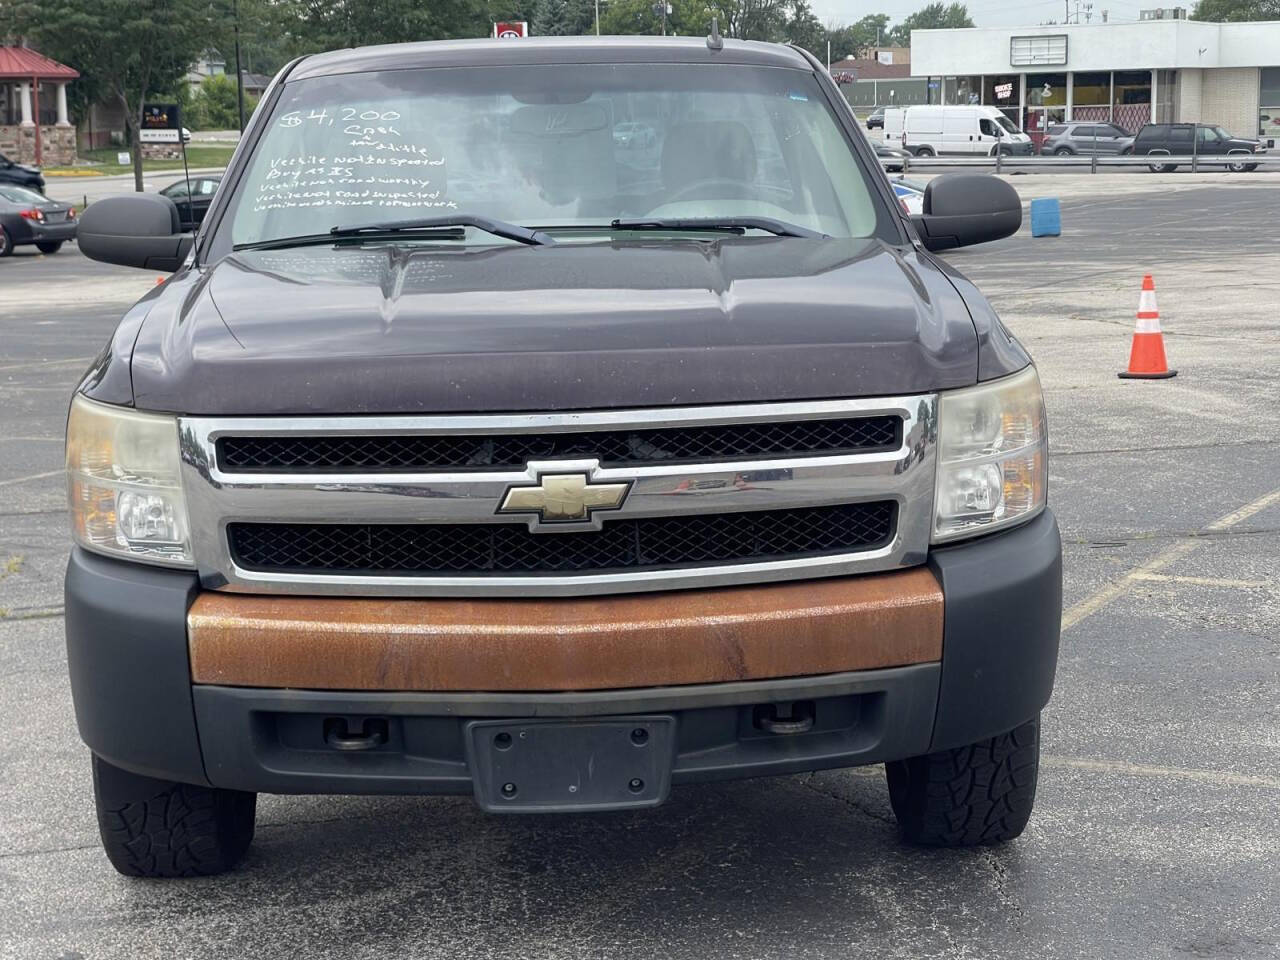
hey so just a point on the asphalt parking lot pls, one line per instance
(1157, 829)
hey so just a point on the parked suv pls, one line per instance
(468, 450)
(1086, 139)
(1186, 139)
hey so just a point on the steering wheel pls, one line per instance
(737, 190)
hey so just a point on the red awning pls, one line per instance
(20, 63)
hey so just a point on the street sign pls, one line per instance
(123, 158)
(160, 123)
(511, 29)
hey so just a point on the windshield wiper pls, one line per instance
(436, 228)
(499, 228)
(728, 224)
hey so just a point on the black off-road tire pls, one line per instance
(50, 247)
(971, 796)
(159, 828)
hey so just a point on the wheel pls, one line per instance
(925, 152)
(1162, 167)
(1239, 167)
(158, 828)
(52, 246)
(1250, 167)
(1063, 152)
(6, 245)
(970, 796)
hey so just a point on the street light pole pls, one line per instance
(235, 14)
(597, 18)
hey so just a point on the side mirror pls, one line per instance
(134, 230)
(963, 209)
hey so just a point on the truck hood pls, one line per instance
(398, 329)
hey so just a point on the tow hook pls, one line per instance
(785, 718)
(373, 734)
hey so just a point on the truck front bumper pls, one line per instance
(137, 707)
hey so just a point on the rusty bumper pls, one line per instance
(685, 637)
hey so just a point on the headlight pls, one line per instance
(992, 451)
(123, 483)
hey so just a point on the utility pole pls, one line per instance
(597, 18)
(235, 15)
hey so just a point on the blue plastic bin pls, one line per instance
(1046, 217)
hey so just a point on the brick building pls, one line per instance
(34, 126)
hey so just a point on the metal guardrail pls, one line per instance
(1001, 162)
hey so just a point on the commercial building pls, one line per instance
(1155, 70)
(869, 82)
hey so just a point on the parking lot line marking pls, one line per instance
(1219, 777)
(1245, 512)
(35, 476)
(1107, 594)
(1203, 581)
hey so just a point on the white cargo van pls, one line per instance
(928, 131)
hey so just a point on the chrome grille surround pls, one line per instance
(216, 498)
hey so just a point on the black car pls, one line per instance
(1186, 139)
(876, 120)
(27, 217)
(192, 202)
(470, 450)
(21, 174)
(891, 158)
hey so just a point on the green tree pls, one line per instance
(563, 18)
(314, 25)
(805, 30)
(214, 105)
(623, 17)
(936, 16)
(265, 38)
(856, 39)
(1236, 10)
(128, 50)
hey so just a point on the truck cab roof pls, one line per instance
(541, 50)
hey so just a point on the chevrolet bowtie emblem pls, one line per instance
(564, 497)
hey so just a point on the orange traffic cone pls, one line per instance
(1146, 358)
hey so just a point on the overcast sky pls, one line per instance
(985, 13)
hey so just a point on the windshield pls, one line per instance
(1222, 134)
(1006, 123)
(540, 146)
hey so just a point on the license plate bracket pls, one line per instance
(549, 766)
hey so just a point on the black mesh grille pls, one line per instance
(661, 445)
(509, 548)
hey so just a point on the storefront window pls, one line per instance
(1131, 107)
(962, 90)
(1269, 112)
(1002, 91)
(1046, 90)
(1091, 96)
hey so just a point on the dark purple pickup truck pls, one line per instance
(472, 448)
